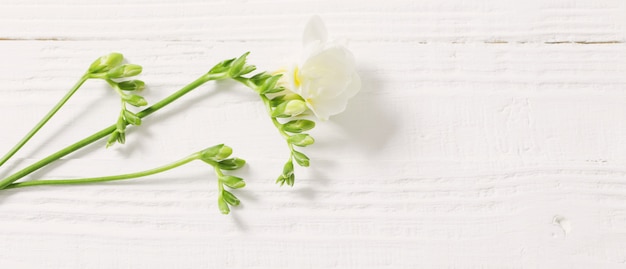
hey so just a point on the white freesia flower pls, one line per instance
(325, 76)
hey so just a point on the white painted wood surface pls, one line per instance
(487, 135)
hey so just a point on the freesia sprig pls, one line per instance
(216, 156)
(110, 69)
(321, 82)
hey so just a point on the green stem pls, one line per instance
(104, 132)
(107, 178)
(44, 120)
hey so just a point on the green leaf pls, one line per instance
(134, 100)
(222, 205)
(230, 198)
(233, 182)
(301, 140)
(231, 164)
(300, 158)
(298, 126)
(132, 118)
(131, 85)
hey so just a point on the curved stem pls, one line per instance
(104, 132)
(107, 178)
(44, 120)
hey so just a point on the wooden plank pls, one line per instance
(486, 135)
(493, 21)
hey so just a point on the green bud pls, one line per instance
(275, 90)
(123, 71)
(121, 124)
(134, 100)
(222, 205)
(105, 63)
(121, 130)
(301, 140)
(230, 198)
(121, 138)
(247, 69)
(269, 84)
(112, 138)
(290, 180)
(237, 67)
(298, 126)
(233, 182)
(276, 101)
(260, 78)
(231, 164)
(216, 153)
(132, 118)
(289, 109)
(288, 169)
(222, 66)
(300, 158)
(280, 180)
(131, 85)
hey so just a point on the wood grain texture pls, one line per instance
(487, 135)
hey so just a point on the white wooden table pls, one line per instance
(488, 134)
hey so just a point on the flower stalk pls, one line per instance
(44, 120)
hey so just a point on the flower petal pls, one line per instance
(326, 106)
(327, 73)
(314, 32)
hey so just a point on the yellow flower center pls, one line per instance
(296, 78)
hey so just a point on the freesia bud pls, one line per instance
(231, 164)
(222, 205)
(289, 109)
(230, 198)
(288, 169)
(301, 140)
(298, 126)
(237, 67)
(300, 158)
(106, 62)
(276, 101)
(114, 136)
(132, 118)
(216, 153)
(233, 182)
(269, 85)
(123, 71)
(131, 85)
(134, 100)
